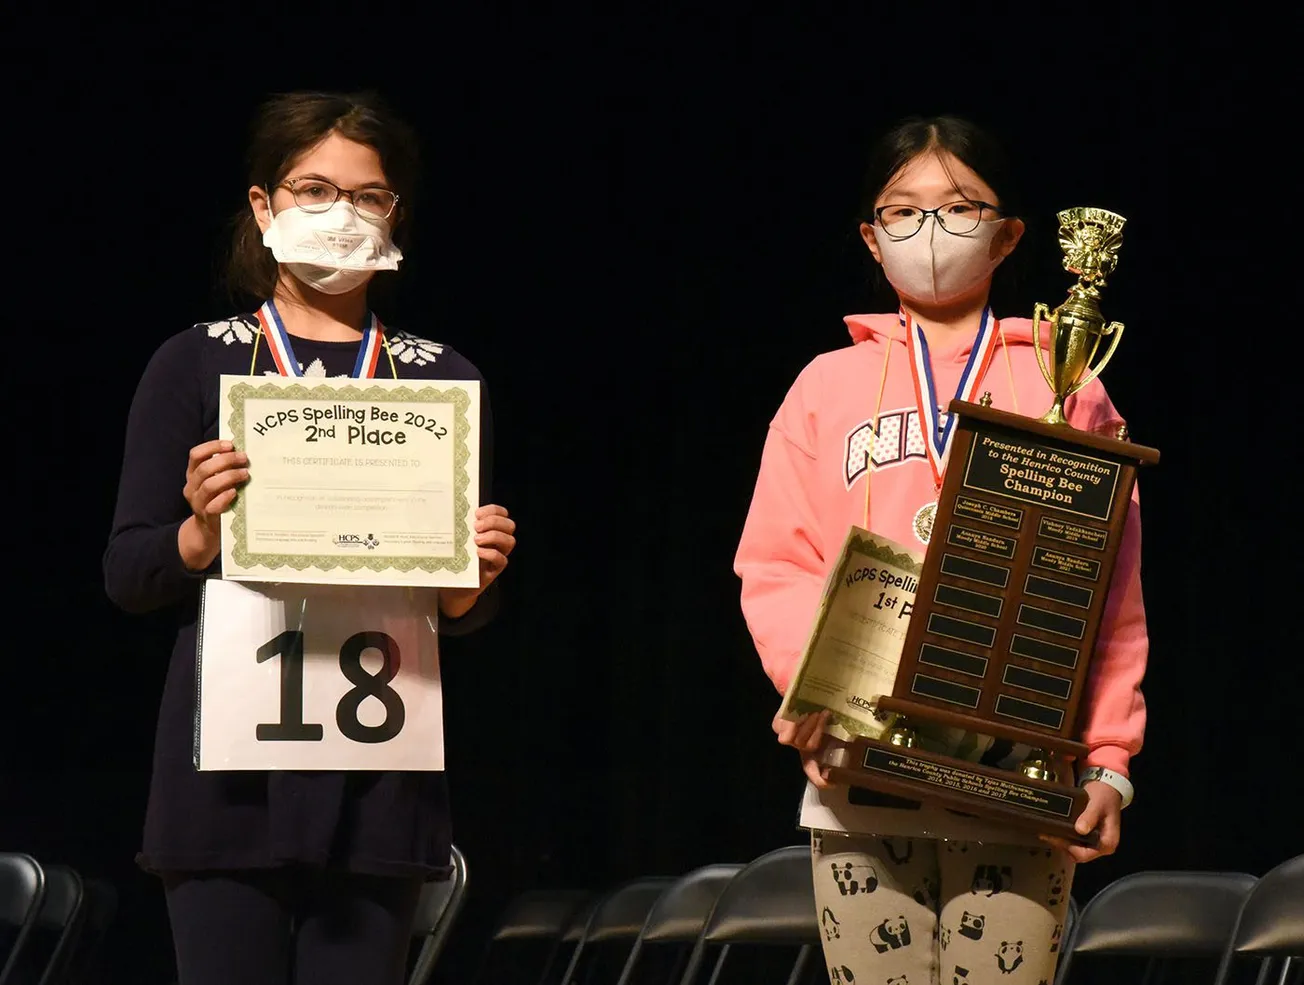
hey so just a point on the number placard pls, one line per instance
(304, 677)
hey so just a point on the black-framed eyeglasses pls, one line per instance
(318, 195)
(958, 218)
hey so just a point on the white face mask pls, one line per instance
(934, 265)
(332, 251)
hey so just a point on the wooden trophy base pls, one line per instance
(1005, 796)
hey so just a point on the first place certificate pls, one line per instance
(855, 647)
(360, 482)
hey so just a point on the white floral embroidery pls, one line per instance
(233, 330)
(408, 349)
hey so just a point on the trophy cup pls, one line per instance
(1090, 239)
(1014, 581)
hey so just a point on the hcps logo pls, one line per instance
(353, 540)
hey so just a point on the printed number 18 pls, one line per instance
(292, 728)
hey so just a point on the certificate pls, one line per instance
(855, 645)
(318, 677)
(360, 482)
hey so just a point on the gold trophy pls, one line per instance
(1090, 239)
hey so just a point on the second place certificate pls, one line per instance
(360, 482)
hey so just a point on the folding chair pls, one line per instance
(679, 915)
(99, 907)
(22, 888)
(616, 919)
(530, 934)
(1160, 916)
(58, 925)
(770, 901)
(571, 939)
(440, 904)
(1271, 923)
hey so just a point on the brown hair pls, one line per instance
(286, 126)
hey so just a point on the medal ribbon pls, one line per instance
(278, 340)
(937, 436)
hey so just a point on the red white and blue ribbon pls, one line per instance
(938, 427)
(278, 340)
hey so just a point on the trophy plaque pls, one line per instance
(1028, 526)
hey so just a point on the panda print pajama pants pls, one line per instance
(915, 911)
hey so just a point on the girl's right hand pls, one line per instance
(214, 472)
(213, 475)
(211, 478)
(806, 736)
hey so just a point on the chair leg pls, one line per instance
(799, 966)
(694, 963)
(719, 966)
(1155, 973)
(425, 964)
(568, 976)
(630, 961)
(1062, 967)
(546, 971)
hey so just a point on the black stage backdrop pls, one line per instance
(640, 229)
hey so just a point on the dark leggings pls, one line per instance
(290, 928)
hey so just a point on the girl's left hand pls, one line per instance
(495, 539)
(1103, 811)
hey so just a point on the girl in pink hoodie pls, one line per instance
(908, 892)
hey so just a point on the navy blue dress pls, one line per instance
(394, 824)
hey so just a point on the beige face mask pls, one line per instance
(332, 251)
(934, 265)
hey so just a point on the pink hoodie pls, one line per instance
(811, 489)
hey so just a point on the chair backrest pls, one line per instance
(1272, 921)
(1163, 914)
(617, 916)
(22, 889)
(532, 934)
(438, 909)
(437, 897)
(1158, 914)
(679, 913)
(63, 897)
(770, 900)
(620, 915)
(545, 915)
(683, 909)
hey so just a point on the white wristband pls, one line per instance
(1116, 780)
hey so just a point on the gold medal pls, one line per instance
(924, 522)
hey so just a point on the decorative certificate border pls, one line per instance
(451, 394)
